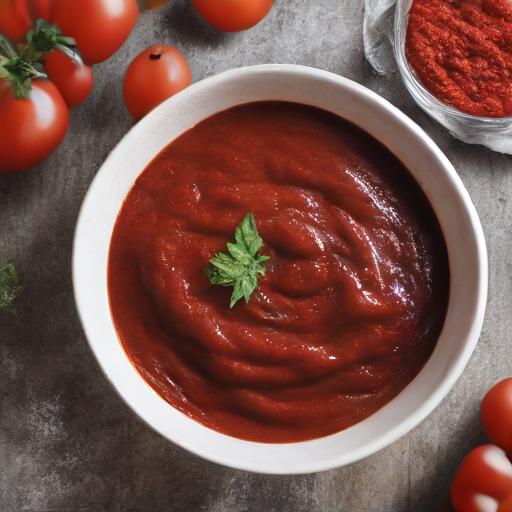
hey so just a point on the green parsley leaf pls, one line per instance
(9, 287)
(242, 265)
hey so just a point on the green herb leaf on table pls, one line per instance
(9, 287)
(242, 265)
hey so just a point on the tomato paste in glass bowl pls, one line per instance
(470, 94)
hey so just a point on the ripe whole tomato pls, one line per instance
(30, 128)
(15, 19)
(483, 482)
(34, 120)
(99, 27)
(232, 15)
(156, 74)
(73, 80)
(496, 414)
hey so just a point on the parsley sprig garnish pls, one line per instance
(242, 265)
(9, 287)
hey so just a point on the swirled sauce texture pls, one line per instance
(462, 52)
(356, 288)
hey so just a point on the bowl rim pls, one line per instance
(421, 410)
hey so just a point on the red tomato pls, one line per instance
(73, 80)
(99, 27)
(154, 4)
(496, 414)
(156, 74)
(233, 15)
(18, 16)
(39, 9)
(483, 482)
(32, 128)
(15, 19)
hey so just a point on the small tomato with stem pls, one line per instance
(73, 79)
(156, 74)
(32, 126)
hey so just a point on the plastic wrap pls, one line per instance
(378, 25)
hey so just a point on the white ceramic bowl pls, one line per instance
(432, 170)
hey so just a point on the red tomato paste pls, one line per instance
(356, 288)
(461, 50)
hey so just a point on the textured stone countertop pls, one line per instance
(68, 443)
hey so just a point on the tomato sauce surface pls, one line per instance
(356, 288)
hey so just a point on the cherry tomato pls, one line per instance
(15, 19)
(73, 80)
(39, 9)
(233, 15)
(31, 128)
(496, 414)
(99, 27)
(483, 482)
(18, 16)
(156, 74)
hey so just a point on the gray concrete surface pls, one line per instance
(67, 442)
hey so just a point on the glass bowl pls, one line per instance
(493, 132)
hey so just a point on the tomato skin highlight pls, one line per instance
(232, 15)
(496, 414)
(483, 482)
(154, 75)
(32, 128)
(73, 80)
(100, 27)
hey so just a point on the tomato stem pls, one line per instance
(44, 38)
(20, 74)
(21, 65)
(7, 48)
